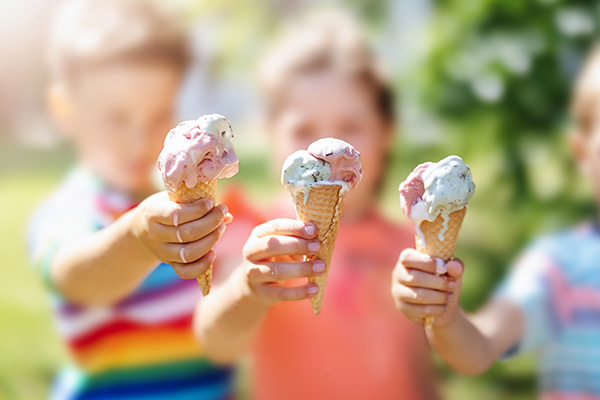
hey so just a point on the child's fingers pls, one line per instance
(286, 227)
(455, 268)
(228, 218)
(416, 278)
(193, 230)
(420, 295)
(282, 271)
(272, 246)
(196, 268)
(277, 293)
(417, 312)
(411, 258)
(175, 214)
(190, 252)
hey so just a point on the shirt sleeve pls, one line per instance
(55, 223)
(527, 287)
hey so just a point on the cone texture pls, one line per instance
(434, 247)
(183, 194)
(324, 209)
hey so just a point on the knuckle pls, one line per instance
(406, 255)
(253, 272)
(276, 271)
(276, 225)
(184, 233)
(282, 294)
(407, 278)
(272, 244)
(417, 293)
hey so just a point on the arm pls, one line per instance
(227, 321)
(468, 343)
(105, 266)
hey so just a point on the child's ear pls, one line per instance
(577, 143)
(60, 106)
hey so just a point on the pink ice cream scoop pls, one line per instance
(198, 151)
(413, 188)
(343, 158)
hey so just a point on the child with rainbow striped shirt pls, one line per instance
(102, 241)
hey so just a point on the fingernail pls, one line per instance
(210, 203)
(224, 209)
(314, 246)
(312, 290)
(319, 266)
(450, 297)
(221, 228)
(178, 234)
(451, 285)
(309, 230)
(175, 218)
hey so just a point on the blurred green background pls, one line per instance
(488, 80)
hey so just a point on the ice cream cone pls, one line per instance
(433, 246)
(183, 194)
(324, 209)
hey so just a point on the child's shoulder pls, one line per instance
(569, 247)
(71, 200)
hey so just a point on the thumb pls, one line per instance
(455, 268)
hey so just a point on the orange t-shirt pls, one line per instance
(360, 346)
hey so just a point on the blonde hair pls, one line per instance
(586, 93)
(325, 41)
(85, 33)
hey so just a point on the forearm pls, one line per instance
(228, 320)
(462, 345)
(102, 267)
(471, 343)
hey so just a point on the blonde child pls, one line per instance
(103, 239)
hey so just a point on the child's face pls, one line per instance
(332, 105)
(118, 116)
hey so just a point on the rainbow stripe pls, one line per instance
(141, 348)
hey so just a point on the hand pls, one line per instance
(182, 235)
(272, 255)
(420, 293)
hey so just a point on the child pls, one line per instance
(321, 80)
(548, 303)
(125, 315)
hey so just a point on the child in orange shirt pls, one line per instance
(322, 80)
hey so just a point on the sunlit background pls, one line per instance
(488, 80)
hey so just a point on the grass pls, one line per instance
(30, 350)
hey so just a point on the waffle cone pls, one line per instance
(183, 194)
(433, 246)
(324, 209)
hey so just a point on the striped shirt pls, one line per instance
(142, 347)
(556, 283)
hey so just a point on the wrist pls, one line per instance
(135, 231)
(449, 325)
